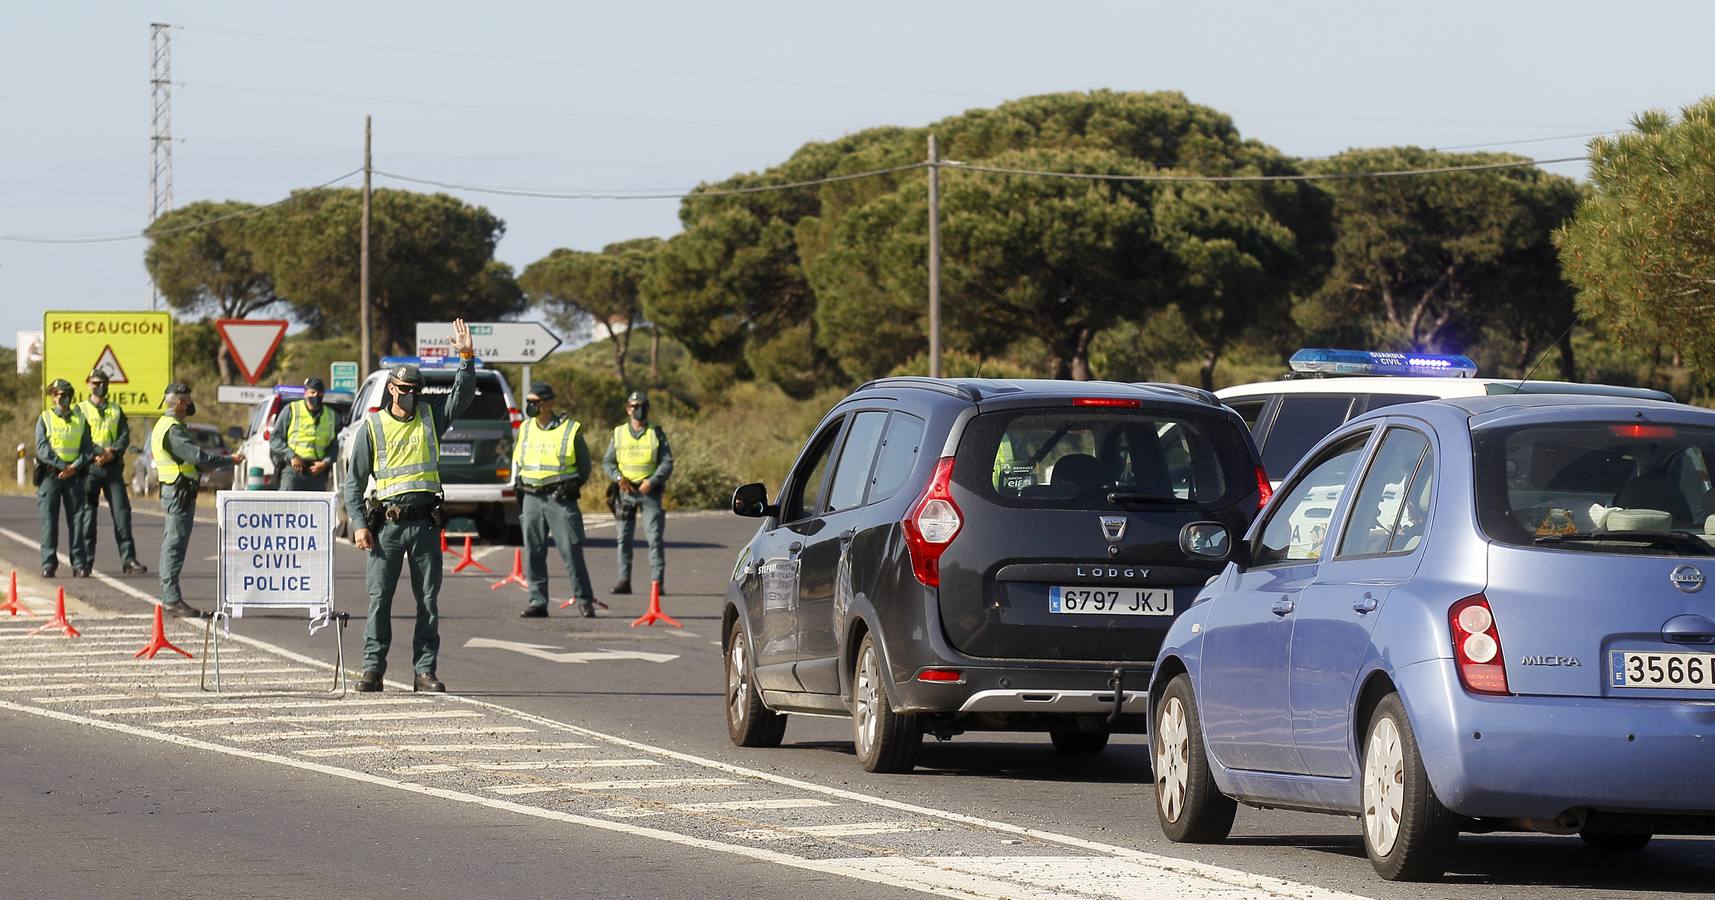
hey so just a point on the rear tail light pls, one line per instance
(516, 415)
(932, 523)
(1108, 401)
(1643, 432)
(1477, 646)
(1264, 490)
(375, 409)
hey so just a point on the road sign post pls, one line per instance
(135, 349)
(251, 342)
(496, 342)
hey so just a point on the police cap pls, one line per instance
(177, 387)
(59, 385)
(99, 376)
(406, 374)
(637, 398)
(541, 390)
(313, 383)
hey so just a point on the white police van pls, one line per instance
(476, 450)
(1327, 387)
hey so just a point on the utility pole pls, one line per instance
(160, 129)
(934, 260)
(363, 261)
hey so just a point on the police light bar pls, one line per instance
(1380, 362)
(423, 362)
(295, 391)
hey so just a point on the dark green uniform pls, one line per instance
(178, 459)
(551, 465)
(408, 536)
(656, 467)
(62, 443)
(313, 439)
(110, 430)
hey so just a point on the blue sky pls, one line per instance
(571, 95)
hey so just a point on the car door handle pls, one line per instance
(1367, 605)
(795, 546)
(1283, 606)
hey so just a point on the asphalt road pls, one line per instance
(609, 776)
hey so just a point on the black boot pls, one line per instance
(368, 683)
(621, 587)
(182, 610)
(133, 567)
(534, 612)
(586, 610)
(427, 683)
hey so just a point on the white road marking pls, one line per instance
(537, 766)
(311, 720)
(555, 654)
(86, 698)
(635, 784)
(371, 733)
(855, 829)
(782, 803)
(628, 812)
(358, 750)
(442, 748)
(302, 704)
(138, 710)
(434, 769)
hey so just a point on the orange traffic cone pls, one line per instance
(517, 576)
(655, 614)
(59, 620)
(444, 548)
(12, 605)
(467, 561)
(159, 642)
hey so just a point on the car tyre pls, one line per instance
(886, 741)
(1189, 805)
(1079, 741)
(1408, 834)
(748, 722)
(1611, 842)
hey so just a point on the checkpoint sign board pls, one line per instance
(276, 550)
(134, 348)
(496, 342)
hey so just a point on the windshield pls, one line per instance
(1604, 487)
(1077, 458)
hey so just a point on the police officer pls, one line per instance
(178, 459)
(302, 442)
(400, 446)
(63, 452)
(110, 432)
(639, 461)
(551, 462)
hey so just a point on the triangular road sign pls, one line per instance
(109, 363)
(252, 342)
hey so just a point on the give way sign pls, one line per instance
(252, 342)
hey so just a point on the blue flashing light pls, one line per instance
(1380, 362)
(423, 362)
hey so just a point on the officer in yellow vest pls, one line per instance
(400, 446)
(639, 461)
(110, 432)
(178, 459)
(63, 451)
(550, 463)
(302, 441)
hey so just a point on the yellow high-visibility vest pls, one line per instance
(309, 436)
(65, 435)
(545, 456)
(167, 468)
(103, 422)
(635, 456)
(407, 455)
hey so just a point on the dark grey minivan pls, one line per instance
(975, 554)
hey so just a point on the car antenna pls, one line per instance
(1519, 388)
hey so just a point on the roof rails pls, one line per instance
(953, 388)
(1197, 394)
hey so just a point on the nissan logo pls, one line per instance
(1687, 578)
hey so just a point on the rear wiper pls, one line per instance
(1136, 497)
(1671, 540)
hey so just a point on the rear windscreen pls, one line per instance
(489, 403)
(1069, 457)
(1568, 486)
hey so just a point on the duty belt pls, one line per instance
(397, 512)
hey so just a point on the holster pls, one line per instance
(374, 515)
(565, 492)
(40, 474)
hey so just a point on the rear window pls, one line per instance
(1610, 487)
(489, 403)
(1060, 457)
(1303, 420)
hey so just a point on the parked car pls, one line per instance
(261, 429)
(476, 452)
(1473, 615)
(1327, 387)
(972, 554)
(144, 481)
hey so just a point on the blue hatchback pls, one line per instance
(1468, 615)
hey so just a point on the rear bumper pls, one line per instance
(1539, 757)
(1028, 698)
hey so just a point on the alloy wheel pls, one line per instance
(737, 683)
(1172, 765)
(864, 711)
(1384, 786)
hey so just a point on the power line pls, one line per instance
(661, 194)
(1232, 179)
(139, 235)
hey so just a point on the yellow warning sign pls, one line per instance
(135, 349)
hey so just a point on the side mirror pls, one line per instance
(751, 501)
(234, 432)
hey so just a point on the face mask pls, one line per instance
(314, 403)
(62, 404)
(640, 414)
(99, 391)
(532, 408)
(408, 403)
(190, 409)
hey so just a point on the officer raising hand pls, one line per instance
(400, 446)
